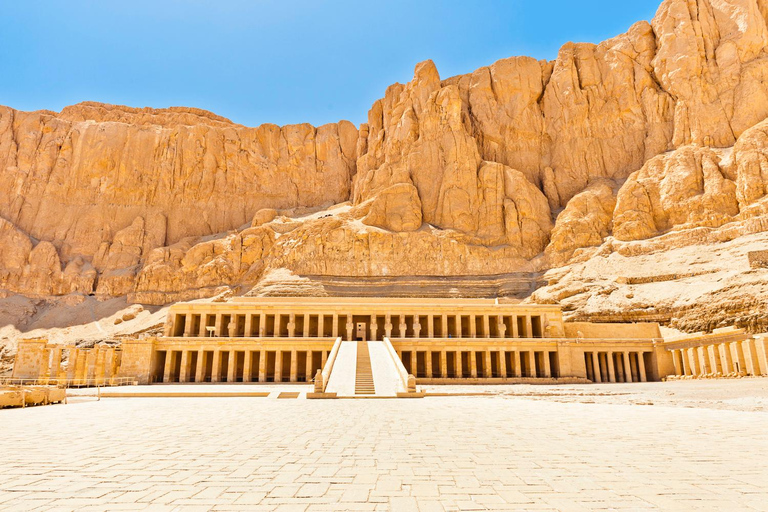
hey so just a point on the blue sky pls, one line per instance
(257, 61)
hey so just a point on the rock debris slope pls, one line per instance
(594, 169)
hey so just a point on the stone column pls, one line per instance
(247, 362)
(472, 326)
(486, 326)
(294, 365)
(320, 327)
(704, 360)
(532, 363)
(431, 327)
(308, 367)
(232, 366)
(596, 367)
(693, 360)
(428, 363)
(403, 327)
(761, 346)
(488, 364)
(501, 328)
(262, 325)
(685, 362)
(444, 324)
(627, 368)
(737, 352)
(306, 324)
(416, 327)
(263, 366)
(676, 362)
(611, 369)
(515, 333)
(457, 364)
(203, 323)
(502, 363)
(215, 367)
(279, 366)
(641, 367)
(335, 330)
(516, 359)
(725, 357)
(188, 325)
(248, 329)
(443, 364)
(200, 370)
(184, 363)
(414, 362)
(388, 325)
(473, 364)
(547, 368)
(168, 365)
(714, 359)
(219, 327)
(528, 327)
(459, 334)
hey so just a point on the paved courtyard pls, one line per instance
(501, 452)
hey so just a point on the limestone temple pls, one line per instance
(336, 343)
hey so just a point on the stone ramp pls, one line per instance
(385, 374)
(342, 378)
(364, 369)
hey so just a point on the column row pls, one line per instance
(617, 366)
(747, 357)
(237, 365)
(290, 325)
(471, 364)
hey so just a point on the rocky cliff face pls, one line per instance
(647, 143)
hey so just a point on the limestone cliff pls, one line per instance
(651, 142)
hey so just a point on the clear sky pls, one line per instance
(279, 61)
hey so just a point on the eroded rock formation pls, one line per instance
(652, 141)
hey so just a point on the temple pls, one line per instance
(386, 346)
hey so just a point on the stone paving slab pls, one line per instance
(452, 453)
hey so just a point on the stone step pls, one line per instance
(364, 374)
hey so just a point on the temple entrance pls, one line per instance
(360, 331)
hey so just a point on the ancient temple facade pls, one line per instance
(430, 341)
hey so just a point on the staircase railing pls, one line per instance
(407, 380)
(322, 377)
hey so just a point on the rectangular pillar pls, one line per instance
(761, 346)
(443, 363)
(714, 359)
(231, 366)
(215, 367)
(169, 360)
(627, 368)
(641, 367)
(532, 363)
(676, 362)
(200, 370)
(308, 368)
(502, 363)
(428, 360)
(278, 365)
(611, 369)
(247, 362)
(183, 373)
(263, 366)
(596, 366)
(547, 369)
(726, 360)
(488, 366)
(472, 364)
(516, 358)
(294, 365)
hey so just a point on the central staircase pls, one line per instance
(364, 374)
